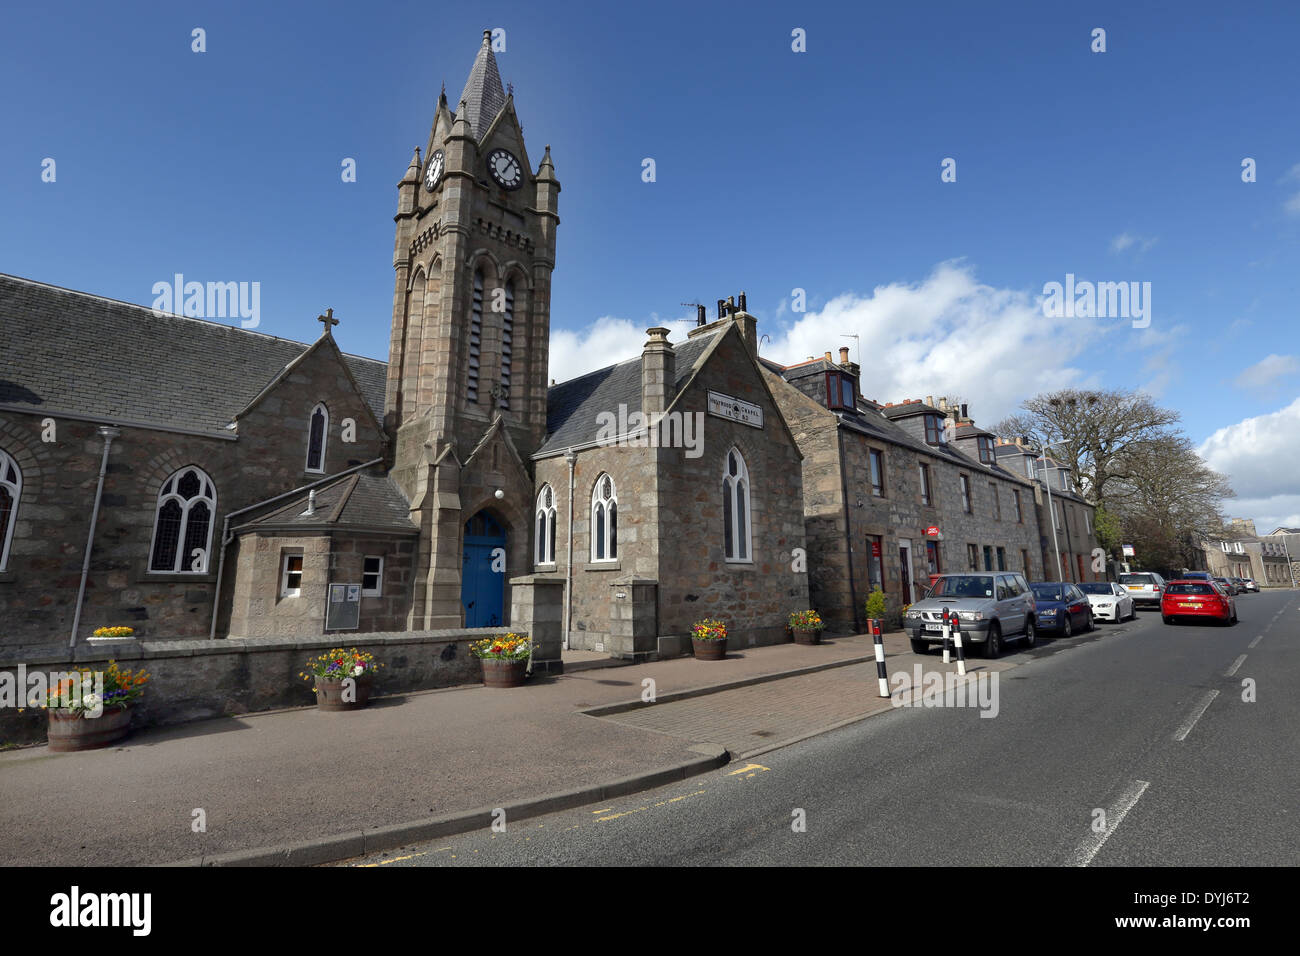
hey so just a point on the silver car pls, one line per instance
(993, 606)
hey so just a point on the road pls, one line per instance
(1136, 745)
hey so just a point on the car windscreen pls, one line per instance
(1095, 587)
(1136, 579)
(1189, 589)
(1048, 592)
(963, 585)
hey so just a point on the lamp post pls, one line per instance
(1051, 514)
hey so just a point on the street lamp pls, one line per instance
(1051, 514)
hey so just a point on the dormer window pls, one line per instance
(840, 391)
(934, 430)
(987, 454)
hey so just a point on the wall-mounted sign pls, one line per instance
(1128, 551)
(932, 531)
(725, 406)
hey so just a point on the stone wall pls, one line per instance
(38, 589)
(196, 680)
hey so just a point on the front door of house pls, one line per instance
(905, 561)
(483, 577)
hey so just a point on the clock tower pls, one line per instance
(465, 404)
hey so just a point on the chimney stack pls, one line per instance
(658, 372)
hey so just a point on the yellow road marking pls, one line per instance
(756, 767)
(606, 810)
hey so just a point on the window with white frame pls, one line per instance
(182, 532)
(317, 430)
(11, 489)
(291, 576)
(545, 550)
(372, 576)
(604, 520)
(735, 509)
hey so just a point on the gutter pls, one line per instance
(848, 528)
(226, 537)
(108, 433)
(572, 459)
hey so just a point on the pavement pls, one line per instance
(302, 786)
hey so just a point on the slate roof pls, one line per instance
(483, 94)
(81, 354)
(572, 406)
(359, 500)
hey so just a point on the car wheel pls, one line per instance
(1091, 623)
(993, 644)
(1066, 630)
(920, 647)
(1031, 634)
(1166, 618)
(1234, 615)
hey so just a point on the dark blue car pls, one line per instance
(1062, 608)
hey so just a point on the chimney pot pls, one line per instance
(929, 400)
(828, 356)
(844, 355)
(722, 307)
(742, 302)
(701, 317)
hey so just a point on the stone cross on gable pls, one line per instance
(327, 320)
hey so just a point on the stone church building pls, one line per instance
(193, 479)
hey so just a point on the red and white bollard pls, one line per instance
(956, 638)
(947, 635)
(881, 674)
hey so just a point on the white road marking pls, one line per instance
(1255, 641)
(1114, 817)
(1235, 664)
(1190, 722)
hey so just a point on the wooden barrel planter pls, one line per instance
(71, 732)
(709, 650)
(807, 635)
(329, 694)
(498, 672)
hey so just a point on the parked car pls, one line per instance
(992, 607)
(1110, 601)
(1226, 585)
(1197, 599)
(1062, 607)
(1196, 576)
(1242, 584)
(1144, 587)
(1251, 585)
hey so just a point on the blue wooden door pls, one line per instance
(482, 589)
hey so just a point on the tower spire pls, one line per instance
(483, 95)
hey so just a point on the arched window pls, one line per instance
(507, 335)
(475, 337)
(317, 430)
(604, 520)
(735, 508)
(546, 526)
(182, 532)
(11, 489)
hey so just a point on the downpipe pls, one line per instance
(108, 433)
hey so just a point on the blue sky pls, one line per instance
(775, 171)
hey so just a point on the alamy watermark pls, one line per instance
(1098, 300)
(924, 688)
(653, 430)
(78, 691)
(212, 300)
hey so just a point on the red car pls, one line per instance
(1191, 598)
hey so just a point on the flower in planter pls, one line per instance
(113, 632)
(709, 629)
(338, 664)
(805, 621)
(120, 688)
(509, 647)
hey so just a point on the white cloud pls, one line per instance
(1267, 370)
(947, 335)
(1127, 241)
(1259, 455)
(1277, 511)
(607, 341)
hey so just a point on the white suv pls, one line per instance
(992, 606)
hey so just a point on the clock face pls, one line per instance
(505, 169)
(433, 172)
